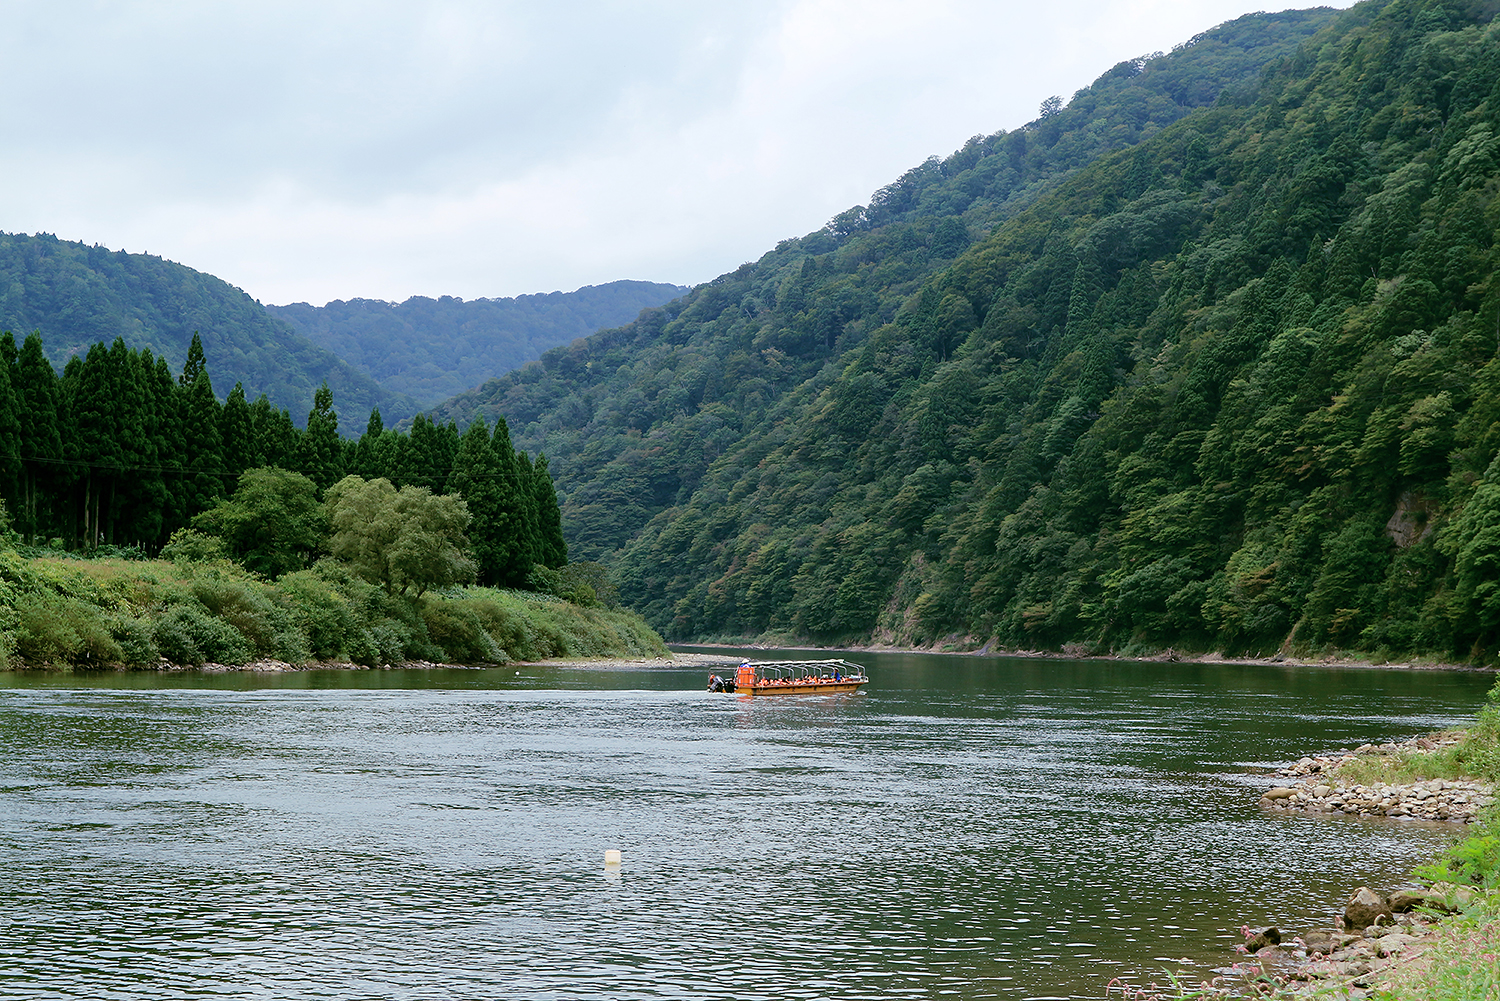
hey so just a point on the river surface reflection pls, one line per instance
(966, 827)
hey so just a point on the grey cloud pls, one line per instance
(353, 101)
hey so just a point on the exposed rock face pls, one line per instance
(1366, 908)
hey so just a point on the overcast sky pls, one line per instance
(331, 150)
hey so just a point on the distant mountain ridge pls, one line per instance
(431, 349)
(77, 295)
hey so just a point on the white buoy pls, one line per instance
(612, 856)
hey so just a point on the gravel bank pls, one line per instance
(1312, 785)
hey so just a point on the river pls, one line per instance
(966, 827)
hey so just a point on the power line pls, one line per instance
(142, 467)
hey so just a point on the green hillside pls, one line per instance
(76, 296)
(1229, 388)
(732, 452)
(430, 349)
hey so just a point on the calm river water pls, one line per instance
(967, 827)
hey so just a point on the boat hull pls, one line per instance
(825, 688)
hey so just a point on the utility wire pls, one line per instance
(196, 470)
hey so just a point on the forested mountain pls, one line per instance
(1222, 378)
(430, 349)
(76, 296)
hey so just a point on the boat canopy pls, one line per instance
(793, 671)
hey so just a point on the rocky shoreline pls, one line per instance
(1316, 788)
(1376, 932)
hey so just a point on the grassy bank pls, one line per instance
(1462, 962)
(1457, 959)
(62, 613)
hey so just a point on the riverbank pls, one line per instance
(59, 614)
(1169, 656)
(673, 660)
(1398, 780)
(1431, 940)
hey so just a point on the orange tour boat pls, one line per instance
(792, 677)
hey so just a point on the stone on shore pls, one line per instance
(1317, 788)
(1321, 941)
(1406, 898)
(1263, 940)
(1365, 908)
(1450, 897)
(1393, 944)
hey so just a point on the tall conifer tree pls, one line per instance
(10, 427)
(320, 456)
(37, 389)
(517, 526)
(476, 478)
(238, 434)
(133, 456)
(429, 453)
(165, 398)
(552, 549)
(195, 365)
(91, 403)
(141, 486)
(364, 451)
(203, 447)
(276, 437)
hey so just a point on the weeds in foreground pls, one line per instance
(1249, 980)
(1462, 963)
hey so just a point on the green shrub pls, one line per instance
(186, 634)
(321, 613)
(391, 638)
(510, 628)
(188, 545)
(397, 620)
(246, 605)
(291, 646)
(1475, 861)
(53, 629)
(460, 633)
(137, 647)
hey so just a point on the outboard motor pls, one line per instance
(715, 683)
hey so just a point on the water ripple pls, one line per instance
(969, 829)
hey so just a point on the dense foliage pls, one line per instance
(291, 554)
(75, 296)
(68, 613)
(430, 349)
(1224, 381)
(118, 451)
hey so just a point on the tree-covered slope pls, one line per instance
(632, 417)
(1232, 387)
(77, 296)
(430, 349)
